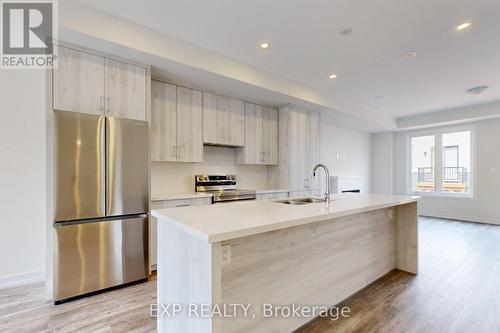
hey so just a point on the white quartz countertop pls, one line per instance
(224, 221)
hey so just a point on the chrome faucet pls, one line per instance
(327, 176)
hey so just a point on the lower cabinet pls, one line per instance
(152, 221)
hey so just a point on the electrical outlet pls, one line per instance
(226, 254)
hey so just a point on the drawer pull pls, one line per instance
(183, 205)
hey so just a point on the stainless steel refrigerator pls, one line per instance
(101, 199)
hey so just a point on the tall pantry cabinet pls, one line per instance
(299, 150)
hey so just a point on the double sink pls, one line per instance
(300, 201)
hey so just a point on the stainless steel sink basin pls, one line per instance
(300, 201)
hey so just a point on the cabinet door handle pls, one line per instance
(183, 205)
(109, 102)
(101, 103)
(174, 152)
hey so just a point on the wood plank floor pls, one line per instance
(457, 290)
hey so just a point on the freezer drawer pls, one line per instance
(98, 255)
(78, 166)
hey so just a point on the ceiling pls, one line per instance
(306, 46)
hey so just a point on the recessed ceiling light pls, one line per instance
(477, 90)
(345, 31)
(409, 55)
(265, 45)
(463, 26)
(332, 76)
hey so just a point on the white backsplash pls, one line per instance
(175, 178)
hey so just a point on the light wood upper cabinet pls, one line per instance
(252, 152)
(261, 136)
(189, 125)
(163, 121)
(125, 90)
(88, 83)
(212, 105)
(237, 121)
(78, 82)
(223, 120)
(270, 135)
(176, 123)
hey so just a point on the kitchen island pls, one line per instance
(241, 258)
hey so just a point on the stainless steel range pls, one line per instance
(223, 188)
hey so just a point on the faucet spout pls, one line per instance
(327, 179)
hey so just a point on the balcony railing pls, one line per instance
(455, 179)
(450, 175)
(425, 175)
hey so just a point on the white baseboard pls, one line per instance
(460, 217)
(21, 279)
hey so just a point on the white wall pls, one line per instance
(382, 163)
(22, 172)
(174, 178)
(346, 152)
(484, 207)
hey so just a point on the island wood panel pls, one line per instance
(316, 264)
(125, 90)
(189, 125)
(407, 237)
(191, 275)
(163, 121)
(79, 82)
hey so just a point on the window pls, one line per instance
(422, 163)
(456, 162)
(440, 163)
